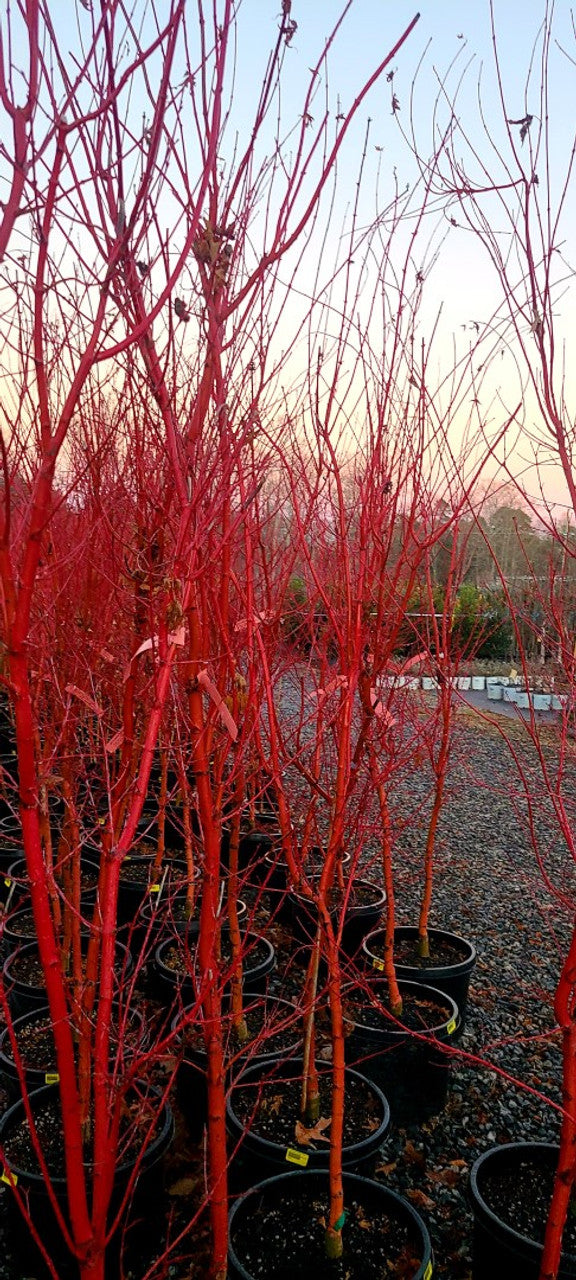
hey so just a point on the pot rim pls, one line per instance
(353, 1149)
(500, 1152)
(154, 1147)
(425, 1269)
(447, 1028)
(462, 966)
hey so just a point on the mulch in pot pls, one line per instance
(271, 1108)
(20, 1153)
(283, 1236)
(35, 1040)
(520, 1195)
(179, 958)
(442, 953)
(274, 1030)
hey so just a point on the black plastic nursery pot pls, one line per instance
(13, 888)
(276, 1034)
(449, 968)
(510, 1188)
(277, 1229)
(254, 844)
(16, 880)
(34, 1036)
(264, 1100)
(175, 966)
(407, 1057)
(166, 916)
(174, 831)
(39, 1069)
(22, 1173)
(277, 877)
(24, 980)
(365, 903)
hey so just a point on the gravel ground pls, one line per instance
(506, 1073)
(506, 1077)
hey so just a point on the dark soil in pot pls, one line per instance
(364, 901)
(35, 1041)
(276, 876)
(24, 979)
(175, 964)
(138, 876)
(278, 1228)
(17, 880)
(168, 916)
(511, 1188)
(274, 1031)
(263, 1110)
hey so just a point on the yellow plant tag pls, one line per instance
(378, 964)
(154, 888)
(8, 882)
(428, 1271)
(51, 1077)
(8, 1177)
(297, 1157)
(451, 1026)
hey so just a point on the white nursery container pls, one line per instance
(522, 698)
(429, 683)
(541, 701)
(495, 691)
(463, 682)
(510, 693)
(478, 682)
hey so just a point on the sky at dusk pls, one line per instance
(450, 54)
(447, 59)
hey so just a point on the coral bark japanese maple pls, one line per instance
(137, 362)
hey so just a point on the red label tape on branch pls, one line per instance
(83, 697)
(381, 711)
(219, 703)
(176, 637)
(339, 682)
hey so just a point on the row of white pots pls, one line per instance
(498, 689)
(525, 698)
(430, 682)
